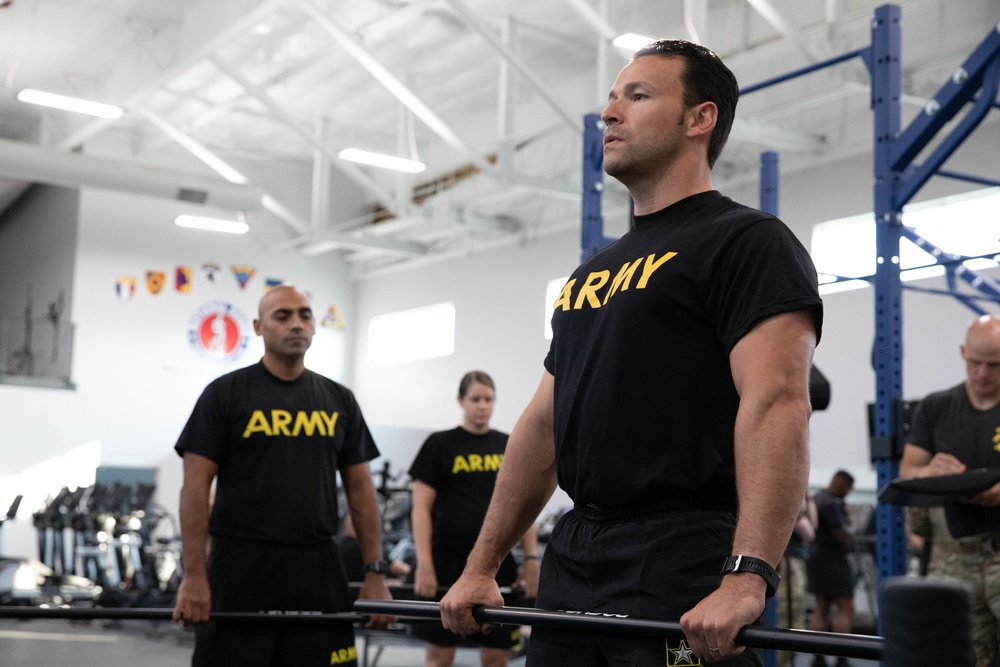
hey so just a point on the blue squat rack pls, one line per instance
(898, 177)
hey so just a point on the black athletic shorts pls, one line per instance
(258, 576)
(829, 574)
(655, 566)
(449, 561)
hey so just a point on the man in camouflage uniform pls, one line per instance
(955, 430)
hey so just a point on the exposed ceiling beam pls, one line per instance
(221, 108)
(472, 20)
(507, 81)
(777, 21)
(329, 241)
(397, 88)
(26, 162)
(286, 118)
(696, 20)
(232, 30)
(222, 167)
(599, 24)
(775, 137)
(320, 210)
(276, 207)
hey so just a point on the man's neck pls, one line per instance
(981, 401)
(284, 369)
(662, 190)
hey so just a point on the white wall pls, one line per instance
(500, 308)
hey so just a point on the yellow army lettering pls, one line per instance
(476, 463)
(282, 422)
(598, 279)
(340, 656)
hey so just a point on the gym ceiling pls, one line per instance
(489, 94)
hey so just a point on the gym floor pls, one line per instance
(37, 643)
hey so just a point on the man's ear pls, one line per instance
(701, 118)
(256, 326)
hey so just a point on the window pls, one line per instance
(408, 335)
(552, 290)
(964, 225)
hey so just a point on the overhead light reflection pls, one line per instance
(211, 224)
(381, 160)
(70, 103)
(630, 41)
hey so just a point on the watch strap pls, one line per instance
(741, 563)
(378, 567)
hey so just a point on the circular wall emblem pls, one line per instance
(219, 330)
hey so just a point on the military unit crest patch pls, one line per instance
(155, 281)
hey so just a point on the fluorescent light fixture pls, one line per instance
(70, 103)
(212, 224)
(631, 41)
(380, 160)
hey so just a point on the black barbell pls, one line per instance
(928, 623)
(804, 641)
(161, 614)
(828, 643)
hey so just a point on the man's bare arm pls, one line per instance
(360, 491)
(918, 462)
(194, 599)
(770, 368)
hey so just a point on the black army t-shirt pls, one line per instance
(644, 397)
(946, 421)
(278, 446)
(462, 469)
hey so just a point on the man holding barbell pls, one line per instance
(674, 405)
(275, 435)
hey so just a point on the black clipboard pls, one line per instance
(938, 491)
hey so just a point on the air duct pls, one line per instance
(21, 161)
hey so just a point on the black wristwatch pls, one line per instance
(741, 563)
(378, 567)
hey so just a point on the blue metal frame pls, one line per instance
(897, 180)
(769, 181)
(592, 236)
(884, 64)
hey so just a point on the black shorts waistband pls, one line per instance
(325, 543)
(593, 512)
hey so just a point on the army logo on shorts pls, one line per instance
(679, 655)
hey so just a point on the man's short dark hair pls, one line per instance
(705, 79)
(844, 477)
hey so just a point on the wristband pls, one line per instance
(533, 557)
(741, 563)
